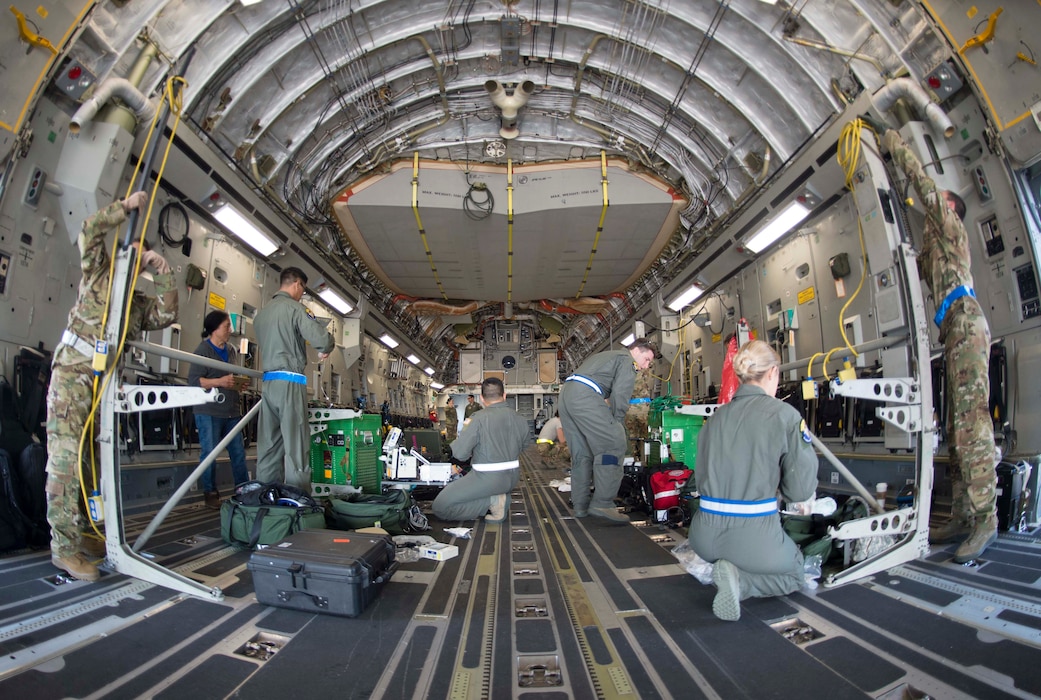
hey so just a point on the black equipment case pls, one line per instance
(323, 571)
(1012, 495)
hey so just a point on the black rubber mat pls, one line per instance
(528, 586)
(445, 586)
(195, 683)
(922, 591)
(970, 685)
(1018, 618)
(861, 667)
(524, 557)
(225, 564)
(215, 677)
(406, 675)
(1010, 572)
(628, 548)
(290, 621)
(535, 637)
(604, 571)
(242, 587)
(338, 652)
(739, 659)
(957, 642)
(472, 652)
(125, 608)
(973, 576)
(92, 667)
(679, 685)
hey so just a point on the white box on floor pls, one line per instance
(439, 551)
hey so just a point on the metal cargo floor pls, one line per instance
(543, 606)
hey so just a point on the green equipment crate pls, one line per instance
(345, 449)
(680, 432)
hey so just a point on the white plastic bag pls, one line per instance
(695, 565)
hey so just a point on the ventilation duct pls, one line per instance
(509, 105)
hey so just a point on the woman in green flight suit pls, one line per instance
(752, 447)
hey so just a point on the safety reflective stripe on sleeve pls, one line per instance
(738, 509)
(587, 381)
(497, 466)
(292, 377)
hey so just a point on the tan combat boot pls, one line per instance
(497, 512)
(960, 525)
(984, 534)
(93, 547)
(77, 567)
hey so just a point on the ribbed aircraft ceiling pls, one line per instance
(706, 98)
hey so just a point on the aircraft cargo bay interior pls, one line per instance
(520, 349)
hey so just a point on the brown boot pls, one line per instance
(960, 525)
(77, 567)
(93, 547)
(212, 499)
(984, 534)
(497, 512)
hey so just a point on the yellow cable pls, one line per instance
(809, 367)
(174, 97)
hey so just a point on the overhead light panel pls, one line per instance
(437, 386)
(628, 340)
(784, 222)
(430, 371)
(692, 293)
(243, 229)
(333, 299)
(413, 359)
(388, 341)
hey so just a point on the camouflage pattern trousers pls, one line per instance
(68, 405)
(970, 430)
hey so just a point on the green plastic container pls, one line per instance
(345, 449)
(680, 432)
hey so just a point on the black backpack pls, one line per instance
(12, 521)
(32, 473)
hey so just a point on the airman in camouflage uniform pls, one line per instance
(451, 420)
(945, 264)
(69, 396)
(639, 408)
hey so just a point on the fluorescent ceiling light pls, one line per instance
(686, 298)
(243, 228)
(437, 386)
(628, 340)
(388, 341)
(413, 359)
(430, 371)
(336, 301)
(782, 224)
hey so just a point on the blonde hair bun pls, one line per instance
(754, 360)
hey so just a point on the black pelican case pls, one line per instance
(323, 571)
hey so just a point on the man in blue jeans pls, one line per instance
(215, 420)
